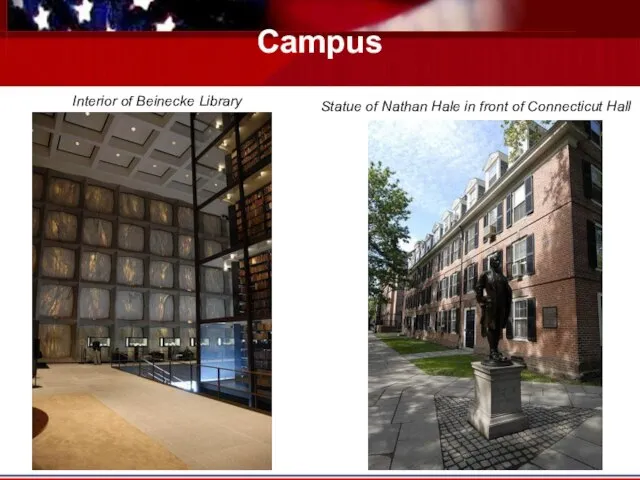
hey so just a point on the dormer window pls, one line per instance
(492, 174)
(472, 197)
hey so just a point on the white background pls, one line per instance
(320, 263)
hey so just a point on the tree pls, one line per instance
(388, 210)
(515, 132)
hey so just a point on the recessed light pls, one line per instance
(218, 124)
(117, 154)
(133, 129)
(228, 196)
(233, 255)
(77, 144)
(215, 184)
(220, 167)
(263, 173)
(87, 114)
(186, 175)
(154, 165)
(173, 142)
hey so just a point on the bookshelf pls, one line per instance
(253, 150)
(258, 211)
(259, 285)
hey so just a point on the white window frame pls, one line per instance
(453, 283)
(455, 246)
(472, 197)
(522, 260)
(453, 318)
(469, 279)
(524, 319)
(444, 286)
(598, 226)
(469, 246)
(523, 203)
(493, 212)
(488, 175)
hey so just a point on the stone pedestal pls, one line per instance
(497, 409)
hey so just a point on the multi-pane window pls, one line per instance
(453, 320)
(444, 286)
(595, 132)
(492, 174)
(445, 255)
(470, 238)
(599, 245)
(453, 285)
(596, 184)
(455, 250)
(520, 317)
(472, 197)
(519, 207)
(519, 257)
(470, 273)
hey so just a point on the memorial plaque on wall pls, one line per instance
(99, 199)
(61, 226)
(95, 267)
(131, 206)
(130, 271)
(58, 262)
(97, 232)
(161, 212)
(64, 192)
(37, 186)
(131, 237)
(161, 243)
(160, 307)
(185, 218)
(550, 317)
(161, 274)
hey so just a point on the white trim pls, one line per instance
(513, 320)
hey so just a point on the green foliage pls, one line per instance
(516, 130)
(388, 210)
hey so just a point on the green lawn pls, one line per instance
(405, 345)
(460, 366)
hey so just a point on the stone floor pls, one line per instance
(417, 422)
(203, 433)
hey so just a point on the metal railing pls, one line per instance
(247, 388)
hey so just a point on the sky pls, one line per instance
(434, 161)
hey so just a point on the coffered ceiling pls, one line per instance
(144, 151)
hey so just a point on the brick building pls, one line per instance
(541, 212)
(391, 312)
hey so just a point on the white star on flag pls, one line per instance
(142, 3)
(84, 11)
(42, 18)
(166, 26)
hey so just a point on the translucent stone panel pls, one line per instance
(98, 199)
(94, 303)
(185, 247)
(211, 225)
(64, 192)
(95, 267)
(61, 226)
(185, 218)
(187, 277)
(161, 243)
(131, 237)
(130, 271)
(131, 206)
(213, 280)
(211, 248)
(58, 262)
(187, 309)
(37, 186)
(129, 306)
(212, 307)
(55, 341)
(36, 221)
(34, 260)
(97, 232)
(160, 307)
(161, 212)
(55, 301)
(161, 274)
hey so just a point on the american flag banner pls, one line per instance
(291, 15)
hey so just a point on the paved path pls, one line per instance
(404, 433)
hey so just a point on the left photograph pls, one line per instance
(151, 308)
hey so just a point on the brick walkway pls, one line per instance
(418, 422)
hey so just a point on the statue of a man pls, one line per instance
(496, 306)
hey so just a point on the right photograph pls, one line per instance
(485, 295)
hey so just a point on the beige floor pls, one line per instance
(202, 433)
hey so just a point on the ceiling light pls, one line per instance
(187, 175)
(220, 167)
(77, 144)
(233, 255)
(215, 184)
(225, 143)
(219, 124)
(133, 129)
(117, 154)
(173, 142)
(87, 114)
(228, 196)
(268, 242)
(255, 114)
(263, 173)
(154, 165)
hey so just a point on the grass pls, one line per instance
(405, 345)
(460, 366)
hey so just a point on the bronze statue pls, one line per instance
(496, 307)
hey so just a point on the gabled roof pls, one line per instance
(495, 156)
